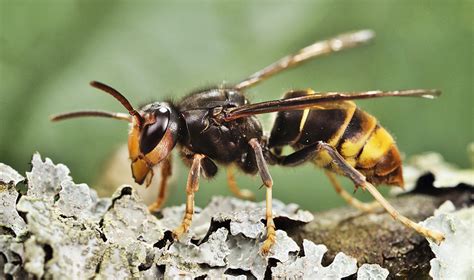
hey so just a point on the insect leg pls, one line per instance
(166, 171)
(234, 188)
(268, 182)
(298, 157)
(306, 154)
(192, 187)
(362, 206)
(359, 180)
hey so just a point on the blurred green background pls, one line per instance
(150, 50)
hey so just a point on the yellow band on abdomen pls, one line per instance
(378, 144)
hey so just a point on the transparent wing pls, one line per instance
(321, 48)
(313, 98)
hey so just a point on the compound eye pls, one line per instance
(153, 133)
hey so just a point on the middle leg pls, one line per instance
(268, 182)
(234, 188)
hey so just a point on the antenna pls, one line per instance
(90, 113)
(117, 95)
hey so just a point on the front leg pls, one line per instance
(192, 187)
(166, 171)
(268, 182)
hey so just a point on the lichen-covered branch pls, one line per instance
(377, 238)
(56, 229)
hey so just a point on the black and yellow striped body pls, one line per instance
(356, 135)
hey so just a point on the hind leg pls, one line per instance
(359, 180)
(354, 202)
(308, 153)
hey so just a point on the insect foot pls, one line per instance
(183, 228)
(435, 236)
(154, 207)
(270, 241)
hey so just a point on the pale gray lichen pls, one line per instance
(283, 247)
(245, 217)
(114, 262)
(34, 257)
(74, 245)
(62, 230)
(446, 175)
(74, 199)
(245, 254)
(9, 176)
(309, 266)
(45, 178)
(128, 219)
(9, 218)
(455, 255)
(212, 252)
(372, 272)
(215, 249)
(231, 277)
(11, 256)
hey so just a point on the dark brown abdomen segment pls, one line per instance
(356, 135)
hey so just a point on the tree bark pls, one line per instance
(376, 238)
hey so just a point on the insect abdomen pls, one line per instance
(371, 149)
(354, 133)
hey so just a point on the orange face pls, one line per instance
(148, 145)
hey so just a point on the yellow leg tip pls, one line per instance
(269, 242)
(435, 236)
(179, 231)
(246, 194)
(267, 246)
(155, 206)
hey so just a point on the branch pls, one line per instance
(378, 239)
(54, 228)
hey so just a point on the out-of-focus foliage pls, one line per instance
(150, 50)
